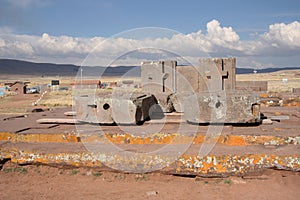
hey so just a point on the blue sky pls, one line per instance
(105, 18)
(250, 20)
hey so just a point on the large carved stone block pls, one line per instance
(158, 76)
(221, 107)
(116, 109)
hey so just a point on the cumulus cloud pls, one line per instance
(281, 40)
(283, 35)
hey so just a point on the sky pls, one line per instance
(259, 33)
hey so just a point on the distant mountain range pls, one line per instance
(19, 67)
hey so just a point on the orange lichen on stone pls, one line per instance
(264, 95)
(234, 140)
(199, 139)
(6, 136)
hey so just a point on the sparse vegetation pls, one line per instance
(97, 174)
(74, 172)
(20, 170)
(227, 181)
(275, 80)
(57, 98)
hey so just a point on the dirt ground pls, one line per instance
(44, 182)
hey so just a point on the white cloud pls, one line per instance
(219, 35)
(287, 35)
(281, 40)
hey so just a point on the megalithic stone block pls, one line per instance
(221, 107)
(86, 109)
(144, 103)
(158, 76)
(163, 99)
(123, 111)
(217, 74)
(117, 109)
(188, 79)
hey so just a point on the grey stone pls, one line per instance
(163, 99)
(158, 76)
(217, 74)
(267, 121)
(120, 109)
(221, 107)
(296, 90)
(188, 79)
(205, 93)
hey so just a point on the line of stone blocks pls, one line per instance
(116, 109)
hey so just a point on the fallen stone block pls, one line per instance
(220, 107)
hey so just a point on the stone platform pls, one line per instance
(168, 146)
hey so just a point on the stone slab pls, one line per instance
(221, 107)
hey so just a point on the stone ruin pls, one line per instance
(205, 93)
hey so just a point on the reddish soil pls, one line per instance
(43, 182)
(19, 103)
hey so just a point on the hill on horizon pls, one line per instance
(20, 67)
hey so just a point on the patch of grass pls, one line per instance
(97, 174)
(20, 170)
(6, 170)
(57, 98)
(227, 181)
(74, 172)
(205, 182)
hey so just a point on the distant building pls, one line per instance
(86, 83)
(18, 87)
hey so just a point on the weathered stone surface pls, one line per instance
(217, 74)
(144, 104)
(120, 109)
(85, 109)
(188, 79)
(220, 107)
(214, 79)
(187, 164)
(158, 76)
(178, 99)
(296, 90)
(163, 99)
